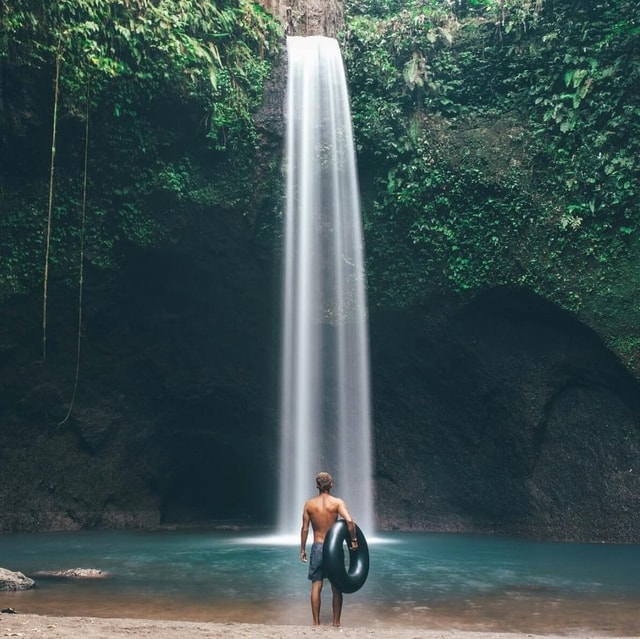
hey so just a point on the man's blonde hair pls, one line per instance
(324, 481)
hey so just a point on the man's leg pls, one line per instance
(316, 589)
(337, 606)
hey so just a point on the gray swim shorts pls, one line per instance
(316, 571)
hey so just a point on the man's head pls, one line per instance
(324, 482)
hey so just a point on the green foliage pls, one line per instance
(171, 85)
(498, 143)
(587, 106)
(183, 44)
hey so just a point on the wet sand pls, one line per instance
(140, 616)
(50, 627)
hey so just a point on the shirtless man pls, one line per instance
(322, 512)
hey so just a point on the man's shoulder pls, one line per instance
(334, 504)
(312, 502)
(322, 501)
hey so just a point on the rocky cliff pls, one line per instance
(307, 17)
(503, 415)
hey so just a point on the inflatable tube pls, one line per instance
(333, 558)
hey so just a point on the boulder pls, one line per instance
(10, 580)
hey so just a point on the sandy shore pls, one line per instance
(52, 627)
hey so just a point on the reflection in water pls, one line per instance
(423, 580)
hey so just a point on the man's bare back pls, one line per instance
(322, 511)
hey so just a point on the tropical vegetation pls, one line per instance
(119, 121)
(499, 144)
(498, 141)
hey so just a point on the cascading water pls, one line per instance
(325, 396)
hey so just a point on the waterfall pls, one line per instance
(325, 396)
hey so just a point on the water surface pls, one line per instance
(426, 580)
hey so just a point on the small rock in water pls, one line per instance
(74, 573)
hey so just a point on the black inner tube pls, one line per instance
(333, 558)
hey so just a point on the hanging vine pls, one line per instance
(83, 217)
(56, 99)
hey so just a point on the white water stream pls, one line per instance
(325, 395)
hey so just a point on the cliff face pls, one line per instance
(307, 17)
(173, 419)
(503, 415)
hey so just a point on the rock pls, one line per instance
(10, 580)
(308, 17)
(504, 415)
(74, 573)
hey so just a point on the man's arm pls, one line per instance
(351, 526)
(304, 533)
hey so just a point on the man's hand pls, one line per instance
(354, 544)
(303, 556)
